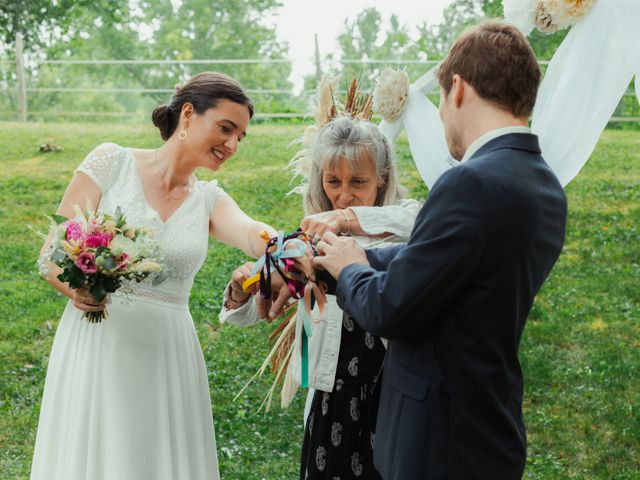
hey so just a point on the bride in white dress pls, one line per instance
(128, 398)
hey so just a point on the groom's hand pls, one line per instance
(338, 253)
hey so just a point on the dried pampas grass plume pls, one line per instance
(300, 164)
(325, 108)
(391, 94)
(544, 20)
(357, 104)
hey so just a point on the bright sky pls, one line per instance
(298, 20)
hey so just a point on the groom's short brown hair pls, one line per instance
(498, 62)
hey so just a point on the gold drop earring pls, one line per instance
(182, 134)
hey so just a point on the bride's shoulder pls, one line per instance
(213, 192)
(107, 151)
(102, 163)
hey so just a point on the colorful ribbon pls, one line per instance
(278, 256)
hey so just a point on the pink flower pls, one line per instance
(87, 263)
(74, 231)
(122, 261)
(98, 239)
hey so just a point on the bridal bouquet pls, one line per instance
(102, 253)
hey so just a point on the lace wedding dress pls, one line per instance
(128, 398)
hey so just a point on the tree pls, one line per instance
(40, 21)
(192, 29)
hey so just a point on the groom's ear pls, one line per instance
(457, 90)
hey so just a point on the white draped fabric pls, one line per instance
(583, 84)
(425, 132)
(585, 80)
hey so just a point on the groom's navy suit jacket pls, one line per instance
(453, 302)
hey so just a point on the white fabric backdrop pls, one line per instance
(584, 82)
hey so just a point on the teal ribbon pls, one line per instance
(304, 381)
(275, 258)
(306, 333)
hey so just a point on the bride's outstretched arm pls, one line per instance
(232, 226)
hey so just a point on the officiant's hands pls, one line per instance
(337, 253)
(335, 221)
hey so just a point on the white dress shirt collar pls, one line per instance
(491, 135)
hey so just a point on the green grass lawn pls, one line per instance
(580, 351)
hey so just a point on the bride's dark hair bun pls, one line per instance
(161, 119)
(203, 91)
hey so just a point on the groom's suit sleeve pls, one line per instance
(379, 258)
(425, 275)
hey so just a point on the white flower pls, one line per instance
(60, 233)
(567, 12)
(121, 244)
(145, 266)
(521, 14)
(146, 246)
(391, 94)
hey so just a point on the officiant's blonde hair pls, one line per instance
(353, 139)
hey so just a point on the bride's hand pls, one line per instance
(238, 277)
(271, 308)
(83, 300)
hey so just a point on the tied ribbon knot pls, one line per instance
(279, 256)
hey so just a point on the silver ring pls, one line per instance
(315, 239)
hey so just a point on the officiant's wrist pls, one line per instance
(347, 219)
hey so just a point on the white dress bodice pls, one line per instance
(184, 235)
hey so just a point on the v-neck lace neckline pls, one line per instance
(138, 176)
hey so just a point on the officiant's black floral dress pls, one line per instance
(340, 432)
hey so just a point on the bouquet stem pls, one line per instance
(96, 317)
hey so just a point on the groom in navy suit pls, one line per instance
(453, 302)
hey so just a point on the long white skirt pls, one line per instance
(126, 399)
